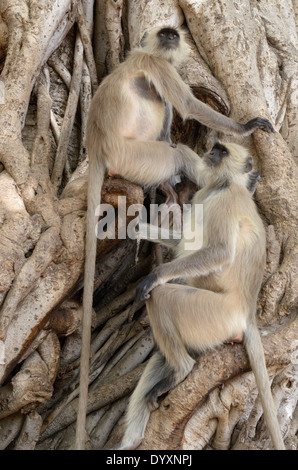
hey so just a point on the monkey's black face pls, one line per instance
(168, 38)
(215, 156)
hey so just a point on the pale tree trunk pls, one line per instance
(243, 62)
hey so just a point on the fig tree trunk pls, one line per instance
(243, 63)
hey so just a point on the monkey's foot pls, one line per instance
(152, 397)
(153, 403)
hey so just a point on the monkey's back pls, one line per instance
(126, 103)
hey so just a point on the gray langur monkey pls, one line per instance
(224, 277)
(128, 133)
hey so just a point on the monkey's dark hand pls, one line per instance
(259, 123)
(146, 286)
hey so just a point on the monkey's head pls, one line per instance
(228, 162)
(168, 43)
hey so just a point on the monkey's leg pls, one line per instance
(151, 163)
(138, 411)
(167, 189)
(179, 316)
(163, 317)
(184, 317)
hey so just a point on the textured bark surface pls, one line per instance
(243, 62)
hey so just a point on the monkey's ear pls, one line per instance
(253, 179)
(142, 43)
(248, 165)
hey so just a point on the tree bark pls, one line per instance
(243, 62)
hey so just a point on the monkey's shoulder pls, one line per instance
(232, 199)
(213, 194)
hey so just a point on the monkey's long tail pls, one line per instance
(95, 181)
(138, 411)
(256, 356)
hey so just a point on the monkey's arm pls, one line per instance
(221, 233)
(201, 263)
(155, 234)
(211, 118)
(170, 85)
